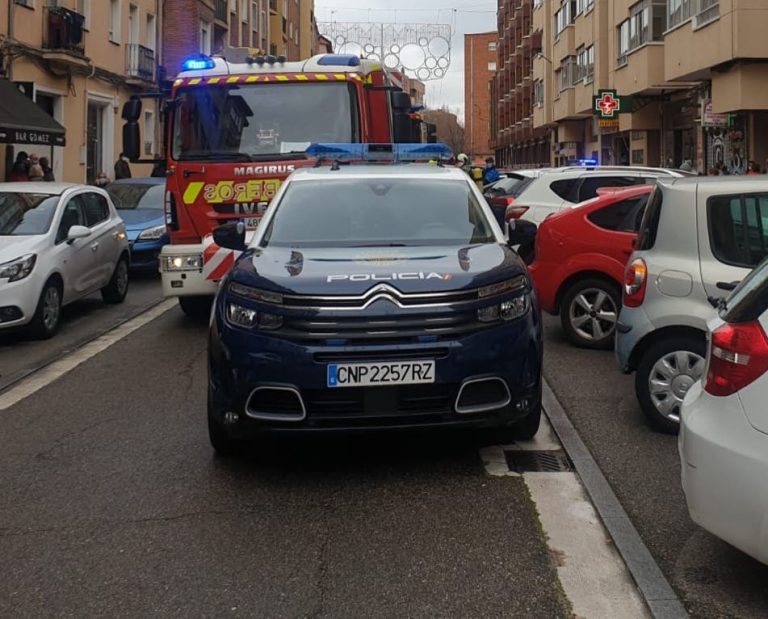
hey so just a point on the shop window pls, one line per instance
(638, 156)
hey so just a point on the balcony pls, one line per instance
(221, 11)
(64, 32)
(139, 62)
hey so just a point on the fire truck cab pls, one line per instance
(237, 125)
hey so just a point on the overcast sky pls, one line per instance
(465, 16)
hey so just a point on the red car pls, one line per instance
(579, 262)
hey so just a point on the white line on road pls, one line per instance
(59, 368)
(591, 572)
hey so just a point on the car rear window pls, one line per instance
(565, 188)
(510, 186)
(590, 185)
(738, 228)
(624, 216)
(750, 298)
(649, 225)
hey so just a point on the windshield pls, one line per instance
(378, 213)
(24, 214)
(261, 121)
(136, 195)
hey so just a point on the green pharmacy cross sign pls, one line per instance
(608, 104)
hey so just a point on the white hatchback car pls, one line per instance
(58, 242)
(723, 439)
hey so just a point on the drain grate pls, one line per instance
(527, 461)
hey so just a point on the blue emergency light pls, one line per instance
(345, 60)
(199, 62)
(587, 162)
(390, 153)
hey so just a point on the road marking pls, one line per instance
(590, 570)
(59, 368)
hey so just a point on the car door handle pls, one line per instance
(727, 285)
(94, 246)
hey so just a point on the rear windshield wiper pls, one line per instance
(383, 245)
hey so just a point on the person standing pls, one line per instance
(122, 169)
(20, 171)
(35, 169)
(47, 170)
(490, 174)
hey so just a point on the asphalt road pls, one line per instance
(81, 321)
(113, 504)
(712, 578)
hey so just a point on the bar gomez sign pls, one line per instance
(27, 136)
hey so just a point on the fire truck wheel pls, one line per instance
(197, 308)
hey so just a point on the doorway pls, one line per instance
(94, 142)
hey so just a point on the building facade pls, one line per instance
(690, 77)
(293, 29)
(480, 64)
(80, 60)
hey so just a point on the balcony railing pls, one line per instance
(221, 10)
(64, 30)
(140, 62)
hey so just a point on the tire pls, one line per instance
(47, 317)
(196, 308)
(114, 292)
(589, 311)
(665, 373)
(223, 444)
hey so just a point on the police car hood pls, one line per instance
(354, 270)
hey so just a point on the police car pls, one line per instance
(380, 295)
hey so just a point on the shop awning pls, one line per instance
(23, 122)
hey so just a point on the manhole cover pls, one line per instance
(527, 461)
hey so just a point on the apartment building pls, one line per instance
(78, 61)
(293, 29)
(480, 64)
(689, 77)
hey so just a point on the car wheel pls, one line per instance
(665, 373)
(197, 308)
(47, 317)
(223, 444)
(589, 311)
(117, 288)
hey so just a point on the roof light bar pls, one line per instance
(346, 60)
(199, 62)
(389, 153)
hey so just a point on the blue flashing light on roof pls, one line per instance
(200, 62)
(587, 162)
(347, 60)
(389, 153)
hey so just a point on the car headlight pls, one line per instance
(154, 233)
(250, 318)
(256, 294)
(510, 285)
(506, 310)
(17, 269)
(190, 262)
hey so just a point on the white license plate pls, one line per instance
(372, 374)
(251, 223)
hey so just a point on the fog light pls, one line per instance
(242, 316)
(488, 314)
(270, 321)
(230, 418)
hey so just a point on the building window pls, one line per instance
(205, 37)
(564, 17)
(647, 22)
(567, 73)
(537, 3)
(492, 46)
(150, 40)
(114, 21)
(538, 93)
(149, 133)
(706, 11)
(678, 11)
(84, 8)
(491, 66)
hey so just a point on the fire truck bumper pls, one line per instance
(182, 273)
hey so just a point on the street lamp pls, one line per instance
(541, 56)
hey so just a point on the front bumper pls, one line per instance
(632, 327)
(240, 362)
(545, 284)
(145, 255)
(185, 283)
(724, 465)
(18, 301)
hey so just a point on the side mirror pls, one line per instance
(77, 232)
(131, 140)
(132, 110)
(230, 236)
(521, 231)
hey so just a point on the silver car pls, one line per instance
(699, 237)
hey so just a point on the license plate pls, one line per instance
(251, 223)
(372, 374)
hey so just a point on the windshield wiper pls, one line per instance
(217, 156)
(293, 154)
(383, 245)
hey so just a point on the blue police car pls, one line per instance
(374, 296)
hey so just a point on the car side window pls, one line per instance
(72, 215)
(565, 188)
(96, 208)
(623, 216)
(591, 184)
(738, 228)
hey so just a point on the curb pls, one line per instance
(659, 596)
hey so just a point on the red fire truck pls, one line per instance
(237, 125)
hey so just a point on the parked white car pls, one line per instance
(724, 424)
(58, 242)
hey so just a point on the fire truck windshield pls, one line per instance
(261, 121)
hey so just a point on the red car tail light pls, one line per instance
(515, 212)
(635, 281)
(738, 355)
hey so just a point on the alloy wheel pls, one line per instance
(51, 308)
(593, 314)
(670, 379)
(122, 277)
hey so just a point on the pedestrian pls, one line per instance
(158, 170)
(35, 172)
(122, 169)
(20, 171)
(47, 170)
(490, 174)
(476, 174)
(753, 168)
(463, 163)
(102, 180)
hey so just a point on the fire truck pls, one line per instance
(237, 124)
